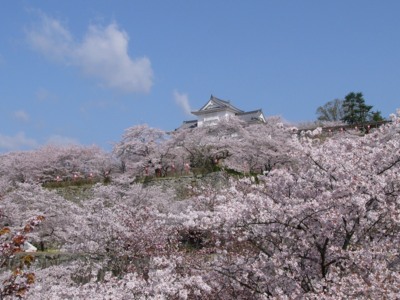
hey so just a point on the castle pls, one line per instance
(217, 109)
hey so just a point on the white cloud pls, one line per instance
(102, 54)
(21, 115)
(59, 140)
(183, 101)
(52, 39)
(17, 142)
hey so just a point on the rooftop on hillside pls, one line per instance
(216, 109)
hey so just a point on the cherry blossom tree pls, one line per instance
(65, 222)
(263, 146)
(139, 149)
(237, 145)
(12, 243)
(323, 223)
(315, 227)
(56, 163)
(205, 146)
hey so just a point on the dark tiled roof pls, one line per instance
(188, 124)
(216, 104)
(252, 116)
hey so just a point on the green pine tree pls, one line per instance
(355, 109)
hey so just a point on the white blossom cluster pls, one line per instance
(323, 221)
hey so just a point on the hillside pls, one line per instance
(229, 213)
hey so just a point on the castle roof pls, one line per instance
(188, 124)
(252, 116)
(214, 105)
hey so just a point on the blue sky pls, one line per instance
(84, 71)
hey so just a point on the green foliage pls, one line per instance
(206, 169)
(77, 182)
(352, 110)
(233, 172)
(355, 109)
(107, 180)
(147, 179)
(253, 176)
(376, 116)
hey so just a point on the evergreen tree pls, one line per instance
(376, 116)
(355, 109)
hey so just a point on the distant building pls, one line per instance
(217, 109)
